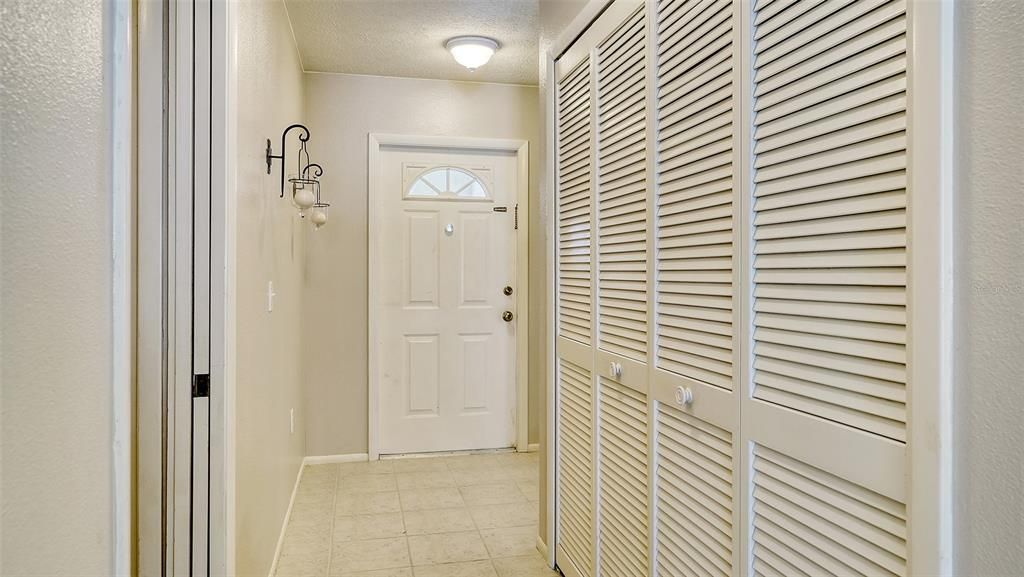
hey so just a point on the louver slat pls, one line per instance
(809, 522)
(574, 202)
(694, 502)
(575, 465)
(622, 244)
(623, 523)
(695, 189)
(830, 221)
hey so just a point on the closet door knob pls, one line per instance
(684, 396)
(615, 369)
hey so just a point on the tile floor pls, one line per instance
(456, 516)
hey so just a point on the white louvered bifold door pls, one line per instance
(576, 415)
(623, 517)
(575, 180)
(575, 498)
(733, 280)
(827, 420)
(697, 519)
(622, 244)
(622, 189)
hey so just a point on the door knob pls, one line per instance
(507, 290)
(506, 316)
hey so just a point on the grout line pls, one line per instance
(334, 514)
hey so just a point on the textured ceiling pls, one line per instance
(406, 37)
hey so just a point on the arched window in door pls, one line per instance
(447, 182)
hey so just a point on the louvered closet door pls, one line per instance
(622, 189)
(696, 481)
(576, 422)
(622, 122)
(827, 420)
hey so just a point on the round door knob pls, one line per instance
(684, 396)
(507, 290)
(506, 316)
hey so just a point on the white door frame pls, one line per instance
(522, 150)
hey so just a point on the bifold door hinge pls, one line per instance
(517, 217)
(200, 386)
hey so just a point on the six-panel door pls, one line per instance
(446, 354)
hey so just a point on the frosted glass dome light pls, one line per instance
(319, 216)
(303, 197)
(472, 51)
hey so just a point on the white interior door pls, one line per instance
(447, 317)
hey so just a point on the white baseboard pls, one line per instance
(542, 548)
(533, 447)
(287, 516)
(325, 459)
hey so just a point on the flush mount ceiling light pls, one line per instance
(472, 51)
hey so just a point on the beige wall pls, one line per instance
(342, 110)
(56, 290)
(271, 244)
(989, 482)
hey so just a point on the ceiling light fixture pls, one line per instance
(472, 51)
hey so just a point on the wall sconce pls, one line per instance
(306, 182)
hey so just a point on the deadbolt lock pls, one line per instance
(507, 290)
(506, 316)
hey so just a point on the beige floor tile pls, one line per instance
(486, 476)
(399, 572)
(306, 540)
(365, 467)
(500, 490)
(508, 515)
(530, 489)
(367, 483)
(438, 521)
(517, 459)
(309, 565)
(326, 471)
(520, 472)
(440, 498)
(367, 503)
(415, 465)
(368, 555)
(510, 541)
(447, 548)
(307, 514)
(469, 462)
(362, 527)
(320, 494)
(491, 494)
(470, 569)
(526, 566)
(424, 480)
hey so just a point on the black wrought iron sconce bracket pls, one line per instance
(303, 138)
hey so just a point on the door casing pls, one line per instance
(522, 152)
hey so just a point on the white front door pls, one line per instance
(447, 266)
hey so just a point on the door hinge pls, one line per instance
(517, 217)
(200, 386)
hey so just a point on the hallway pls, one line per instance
(455, 516)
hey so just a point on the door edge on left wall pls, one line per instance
(145, 527)
(120, 50)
